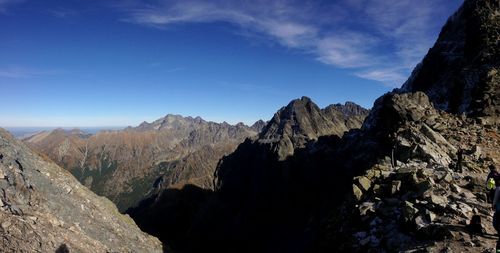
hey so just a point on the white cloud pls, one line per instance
(348, 50)
(390, 77)
(379, 39)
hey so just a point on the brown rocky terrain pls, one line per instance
(43, 208)
(125, 165)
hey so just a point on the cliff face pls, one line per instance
(460, 73)
(124, 165)
(43, 208)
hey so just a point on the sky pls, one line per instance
(77, 63)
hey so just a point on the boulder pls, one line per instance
(395, 186)
(455, 188)
(438, 139)
(409, 212)
(358, 194)
(366, 208)
(476, 152)
(448, 178)
(421, 222)
(430, 216)
(440, 201)
(364, 183)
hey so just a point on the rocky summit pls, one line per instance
(127, 165)
(43, 208)
(302, 121)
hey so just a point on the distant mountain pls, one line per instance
(25, 132)
(127, 165)
(258, 125)
(302, 121)
(44, 209)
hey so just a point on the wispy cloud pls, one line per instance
(63, 13)
(7, 3)
(23, 72)
(391, 77)
(378, 39)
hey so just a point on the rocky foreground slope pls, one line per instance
(43, 208)
(126, 165)
(391, 186)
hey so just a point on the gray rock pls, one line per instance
(395, 187)
(430, 216)
(476, 152)
(455, 188)
(421, 222)
(366, 208)
(440, 201)
(448, 178)
(364, 183)
(409, 212)
(358, 194)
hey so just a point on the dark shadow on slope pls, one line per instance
(169, 214)
(261, 204)
(62, 249)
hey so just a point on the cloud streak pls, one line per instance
(380, 40)
(22, 72)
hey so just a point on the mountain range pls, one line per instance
(124, 165)
(406, 176)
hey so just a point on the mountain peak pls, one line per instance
(303, 101)
(302, 121)
(258, 125)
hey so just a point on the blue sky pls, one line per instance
(118, 63)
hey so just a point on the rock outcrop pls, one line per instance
(413, 196)
(461, 72)
(43, 208)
